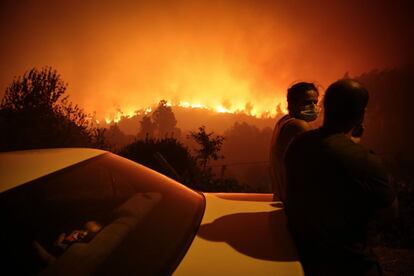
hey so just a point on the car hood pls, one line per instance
(241, 234)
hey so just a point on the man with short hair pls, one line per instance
(336, 187)
(302, 99)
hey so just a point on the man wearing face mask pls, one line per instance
(302, 99)
(336, 188)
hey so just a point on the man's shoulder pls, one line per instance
(352, 155)
(306, 142)
(295, 126)
(343, 146)
(294, 122)
(336, 146)
(311, 136)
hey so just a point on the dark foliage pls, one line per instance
(161, 123)
(143, 152)
(389, 114)
(164, 120)
(147, 127)
(99, 139)
(390, 132)
(115, 139)
(209, 146)
(185, 168)
(35, 113)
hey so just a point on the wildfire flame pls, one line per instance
(244, 108)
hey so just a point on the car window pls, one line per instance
(119, 216)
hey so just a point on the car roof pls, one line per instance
(242, 234)
(19, 167)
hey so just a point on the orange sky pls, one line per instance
(220, 54)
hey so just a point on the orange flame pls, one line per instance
(245, 108)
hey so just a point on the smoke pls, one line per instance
(226, 55)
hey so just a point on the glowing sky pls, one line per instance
(221, 54)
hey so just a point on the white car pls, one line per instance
(90, 212)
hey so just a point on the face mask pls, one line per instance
(309, 112)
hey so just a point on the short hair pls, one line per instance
(344, 103)
(298, 90)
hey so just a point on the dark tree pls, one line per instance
(36, 113)
(117, 139)
(164, 120)
(185, 167)
(175, 153)
(147, 128)
(99, 138)
(209, 146)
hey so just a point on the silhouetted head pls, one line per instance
(345, 102)
(302, 99)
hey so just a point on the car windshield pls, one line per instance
(106, 215)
